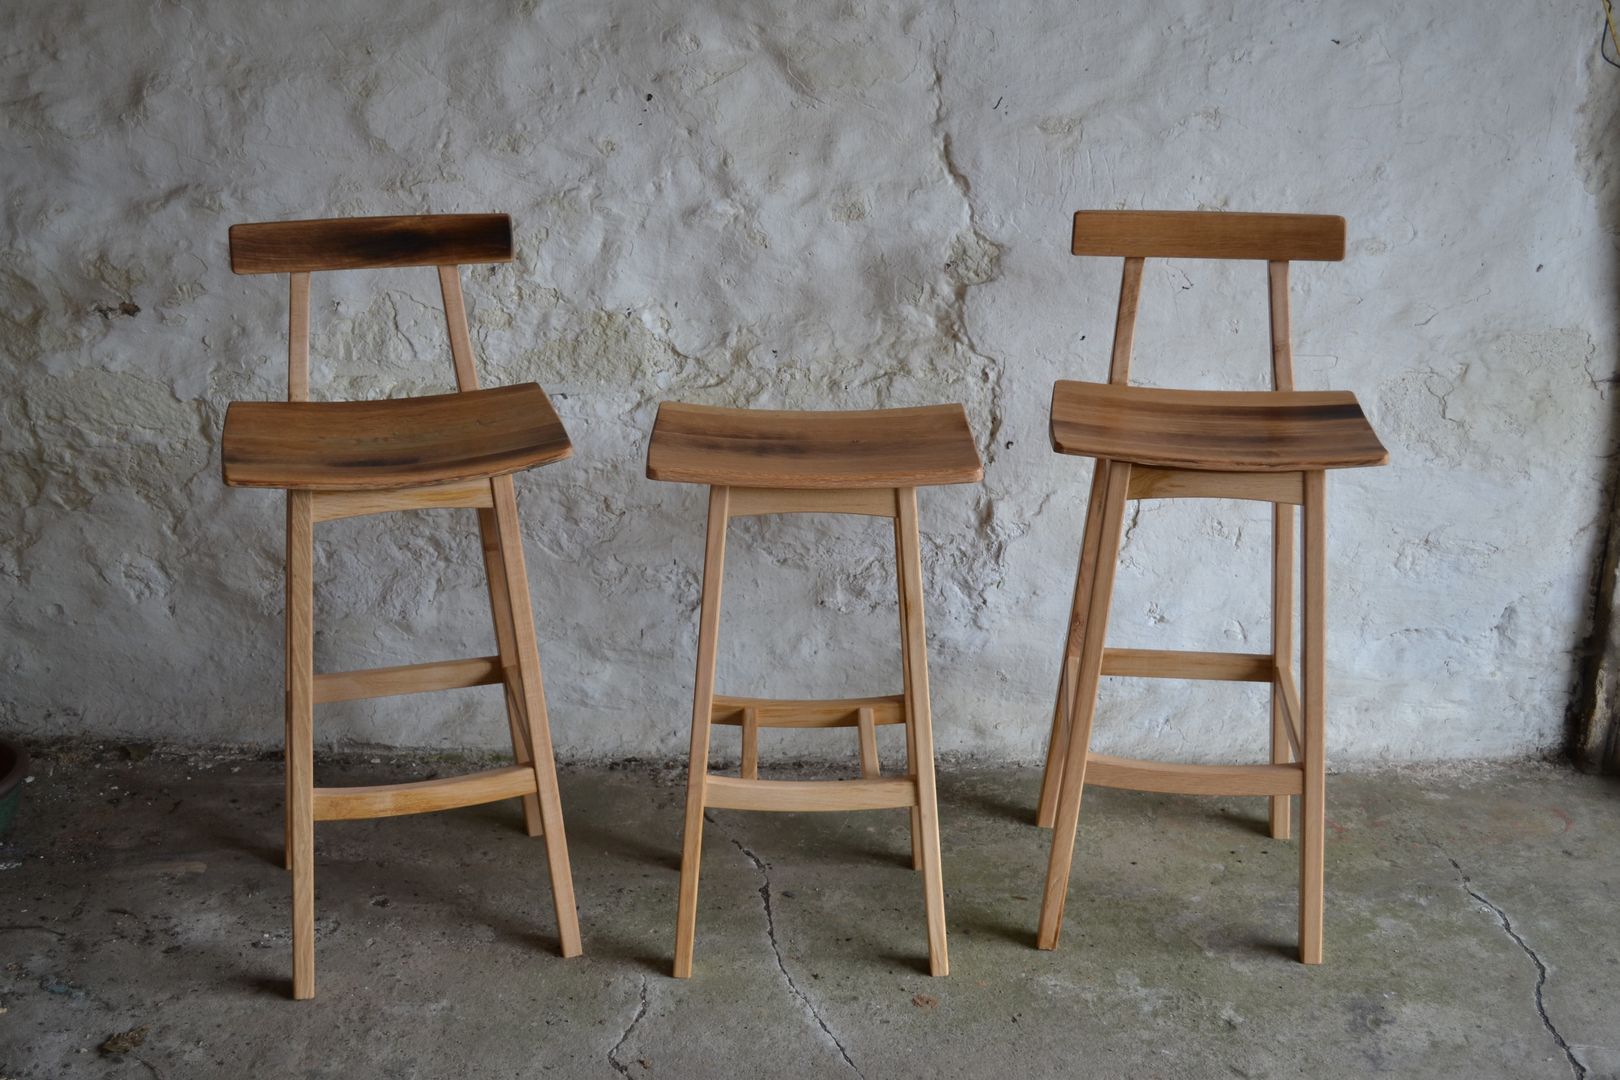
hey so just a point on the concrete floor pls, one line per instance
(1471, 931)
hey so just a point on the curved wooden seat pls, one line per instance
(762, 448)
(394, 443)
(1227, 431)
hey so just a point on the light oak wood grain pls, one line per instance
(1083, 673)
(798, 796)
(714, 562)
(407, 679)
(1179, 778)
(795, 713)
(301, 736)
(1148, 482)
(460, 494)
(870, 502)
(423, 796)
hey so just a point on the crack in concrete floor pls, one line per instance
(776, 948)
(1575, 1065)
(641, 1012)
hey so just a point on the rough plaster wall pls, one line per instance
(802, 205)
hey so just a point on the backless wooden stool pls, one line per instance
(1164, 444)
(350, 458)
(761, 462)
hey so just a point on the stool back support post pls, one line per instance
(1280, 813)
(489, 532)
(1130, 295)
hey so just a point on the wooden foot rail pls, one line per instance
(424, 796)
(736, 793)
(1179, 779)
(407, 679)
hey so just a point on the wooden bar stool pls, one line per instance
(351, 458)
(1164, 444)
(761, 462)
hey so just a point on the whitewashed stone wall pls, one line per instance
(804, 205)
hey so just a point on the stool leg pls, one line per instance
(1282, 651)
(919, 722)
(287, 741)
(489, 533)
(301, 735)
(714, 561)
(1083, 673)
(906, 692)
(1057, 746)
(1313, 679)
(530, 694)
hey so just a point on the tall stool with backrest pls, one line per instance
(1164, 444)
(350, 458)
(763, 462)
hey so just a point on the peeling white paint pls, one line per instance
(803, 205)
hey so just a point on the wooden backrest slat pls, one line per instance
(294, 247)
(1203, 234)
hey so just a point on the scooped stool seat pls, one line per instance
(394, 443)
(1213, 430)
(770, 462)
(878, 448)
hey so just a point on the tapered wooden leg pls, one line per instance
(1083, 673)
(714, 562)
(1282, 650)
(906, 691)
(301, 735)
(531, 697)
(1057, 746)
(501, 612)
(1313, 698)
(919, 719)
(287, 739)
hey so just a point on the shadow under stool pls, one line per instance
(341, 459)
(764, 462)
(1148, 443)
